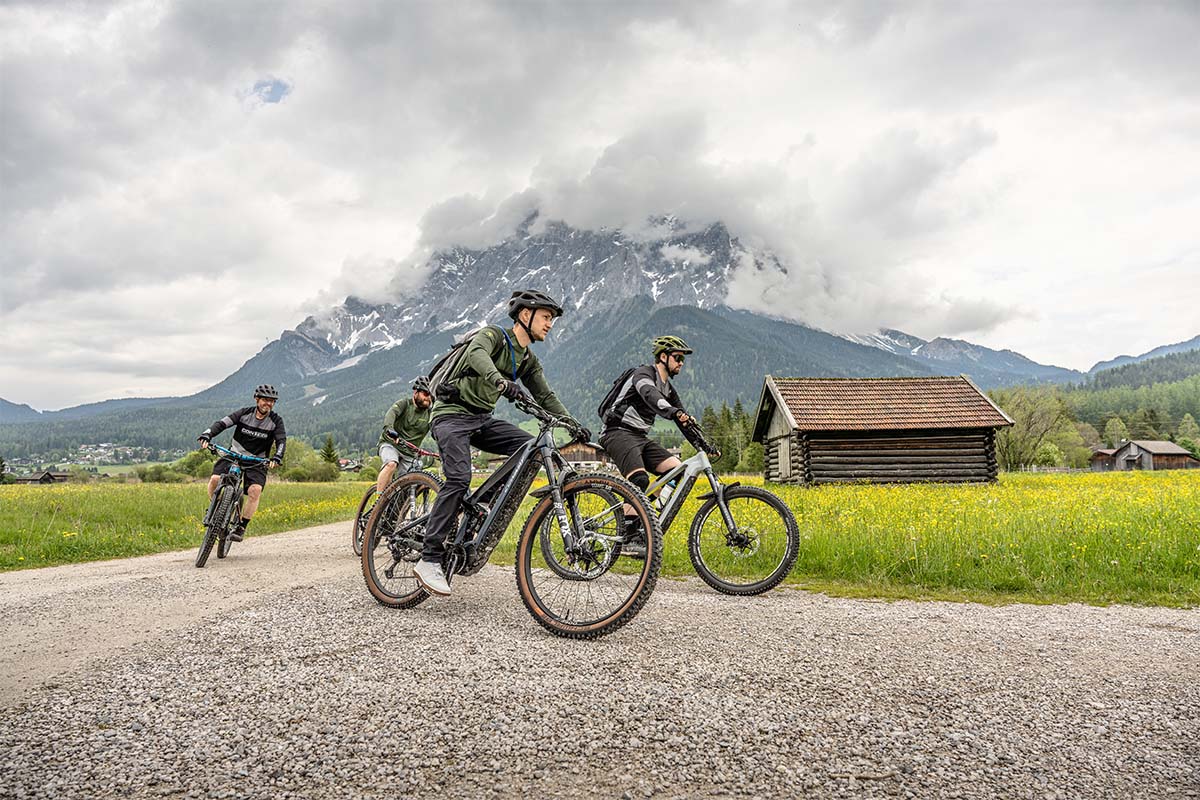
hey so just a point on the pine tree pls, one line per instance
(1115, 432)
(1141, 425)
(329, 453)
(1188, 429)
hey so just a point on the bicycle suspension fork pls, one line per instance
(718, 493)
(567, 529)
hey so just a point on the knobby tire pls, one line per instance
(376, 555)
(791, 543)
(644, 581)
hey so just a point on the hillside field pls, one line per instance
(1093, 538)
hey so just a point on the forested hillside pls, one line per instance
(1163, 369)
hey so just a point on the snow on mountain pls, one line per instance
(590, 272)
(985, 365)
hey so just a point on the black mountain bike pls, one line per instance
(225, 508)
(566, 551)
(414, 454)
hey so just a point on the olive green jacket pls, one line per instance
(489, 358)
(406, 419)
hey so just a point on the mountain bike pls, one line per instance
(368, 498)
(584, 595)
(225, 508)
(743, 540)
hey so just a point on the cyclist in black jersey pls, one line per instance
(256, 429)
(645, 395)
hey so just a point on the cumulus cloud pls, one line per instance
(972, 168)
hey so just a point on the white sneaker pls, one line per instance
(431, 578)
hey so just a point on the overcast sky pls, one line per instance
(181, 181)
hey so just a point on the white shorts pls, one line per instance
(389, 453)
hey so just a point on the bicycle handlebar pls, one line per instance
(695, 434)
(412, 448)
(551, 420)
(216, 448)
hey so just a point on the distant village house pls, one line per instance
(1143, 454)
(43, 477)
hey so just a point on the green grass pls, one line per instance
(42, 526)
(1093, 538)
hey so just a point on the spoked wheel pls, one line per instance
(216, 523)
(394, 535)
(360, 520)
(573, 584)
(753, 557)
(223, 545)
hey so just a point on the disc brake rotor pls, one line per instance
(744, 543)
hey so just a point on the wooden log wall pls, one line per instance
(900, 456)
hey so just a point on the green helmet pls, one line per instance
(670, 344)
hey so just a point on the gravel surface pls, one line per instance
(304, 687)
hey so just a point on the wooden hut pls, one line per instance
(879, 430)
(1102, 459)
(584, 455)
(1142, 454)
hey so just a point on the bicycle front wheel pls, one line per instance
(753, 556)
(567, 572)
(393, 538)
(360, 520)
(218, 514)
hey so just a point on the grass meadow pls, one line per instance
(41, 526)
(1094, 538)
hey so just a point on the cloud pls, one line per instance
(685, 255)
(911, 164)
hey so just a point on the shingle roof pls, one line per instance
(1161, 448)
(835, 404)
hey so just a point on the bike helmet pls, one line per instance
(529, 298)
(421, 384)
(266, 390)
(670, 344)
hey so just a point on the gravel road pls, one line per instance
(273, 674)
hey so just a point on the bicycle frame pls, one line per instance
(685, 476)
(497, 491)
(234, 477)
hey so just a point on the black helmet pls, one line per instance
(266, 390)
(529, 298)
(670, 344)
(421, 384)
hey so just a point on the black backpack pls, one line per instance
(610, 399)
(444, 375)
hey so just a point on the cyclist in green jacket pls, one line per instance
(493, 363)
(406, 421)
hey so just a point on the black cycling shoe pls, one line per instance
(634, 545)
(237, 533)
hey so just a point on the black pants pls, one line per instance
(456, 435)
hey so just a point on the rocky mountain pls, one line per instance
(338, 371)
(985, 366)
(592, 272)
(1166, 349)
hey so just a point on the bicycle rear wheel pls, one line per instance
(757, 554)
(360, 520)
(392, 540)
(572, 584)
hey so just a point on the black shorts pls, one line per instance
(255, 475)
(633, 451)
